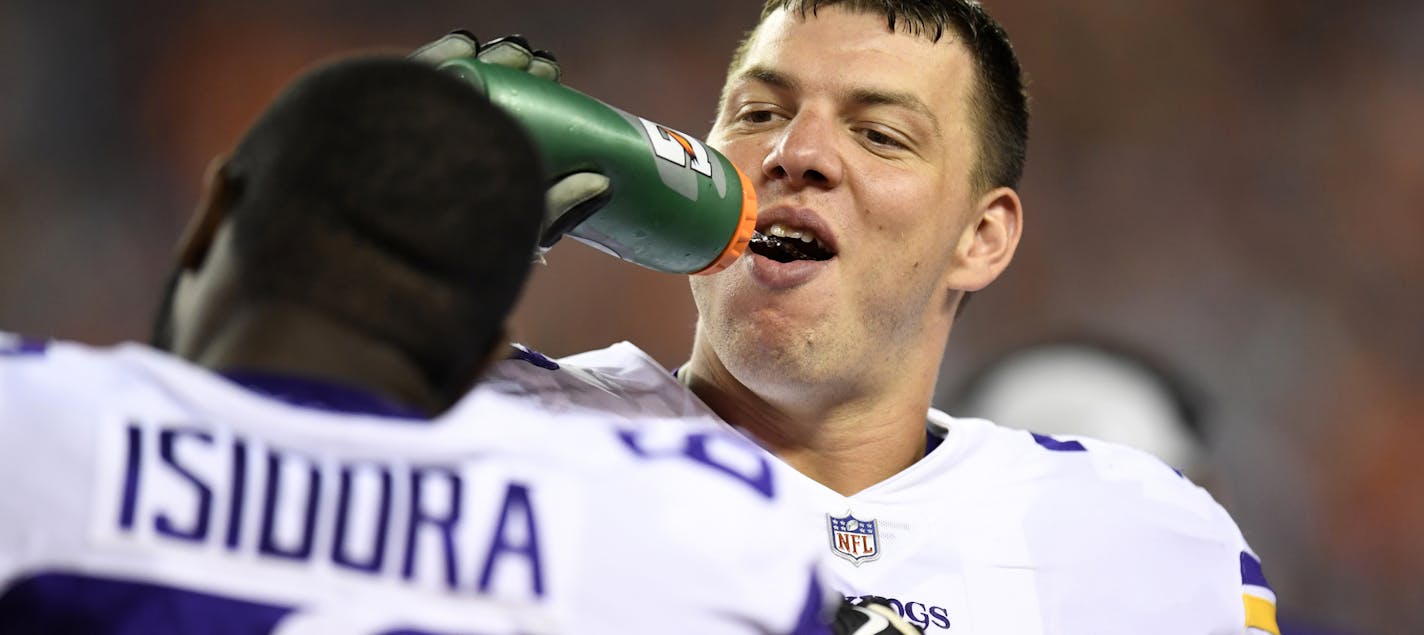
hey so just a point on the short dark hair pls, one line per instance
(1000, 100)
(396, 199)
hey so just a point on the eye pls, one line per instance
(881, 139)
(758, 114)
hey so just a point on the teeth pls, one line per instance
(805, 236)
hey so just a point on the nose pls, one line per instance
(805, 153)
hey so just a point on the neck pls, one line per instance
(846, 444)
(290, 340)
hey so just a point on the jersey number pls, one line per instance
(712, 450)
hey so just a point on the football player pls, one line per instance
(886, 140)
(302, 452)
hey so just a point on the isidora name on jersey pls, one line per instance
(153, 496)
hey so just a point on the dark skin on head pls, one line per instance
(208, 322)
(372, 230)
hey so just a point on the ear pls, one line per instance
(213, 203)
(988, 242)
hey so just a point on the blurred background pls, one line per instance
(1236, 187)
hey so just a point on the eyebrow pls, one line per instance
(871, 97)
(859, 96)
(775, 78)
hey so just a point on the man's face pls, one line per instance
(863, 137)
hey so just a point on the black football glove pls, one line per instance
(569, 200)
(871, 616)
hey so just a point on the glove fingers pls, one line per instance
(544, 65)
(571, 201)
(512, 38)
(573, 190)
(510, 50)
(454, 45)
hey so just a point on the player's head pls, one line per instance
(859, 123)
(1000, 99)
(380, 194)
(1096, 388)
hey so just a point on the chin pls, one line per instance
(770, 356)
(766, 337)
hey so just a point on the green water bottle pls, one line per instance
(676, 205)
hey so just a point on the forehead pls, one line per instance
(837, 49)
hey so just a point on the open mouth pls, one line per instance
(784, 244)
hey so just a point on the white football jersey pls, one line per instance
(142, 494)
(1005, 532)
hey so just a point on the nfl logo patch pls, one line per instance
(854, 539)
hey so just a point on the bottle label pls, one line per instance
(678, 148)
(681, 160)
